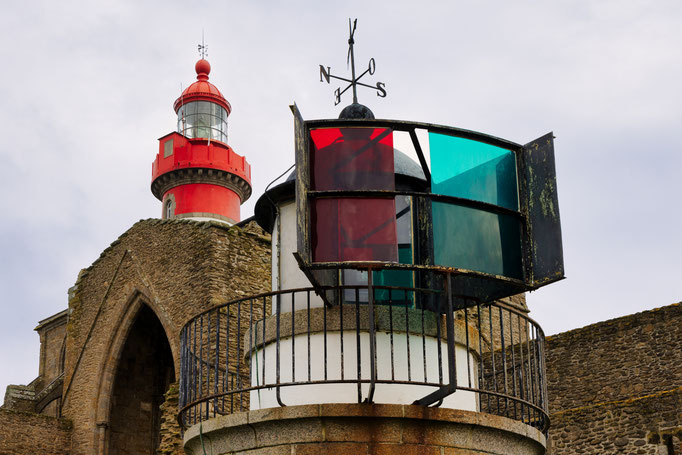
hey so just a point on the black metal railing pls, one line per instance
(376, 343)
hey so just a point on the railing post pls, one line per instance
(450, 328)
(277, 360)
(372, 338)
(441, 393)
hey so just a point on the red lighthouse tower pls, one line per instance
(196, 174)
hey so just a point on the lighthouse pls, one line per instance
(388, 328)
(196, 174)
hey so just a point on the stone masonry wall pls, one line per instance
(20, 398)
(23, 433)
(171, 433)
(51, 341)
(616, 386)
(635, 355)
(176, 267)
(641, 425)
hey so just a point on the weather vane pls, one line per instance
(325, 74)
(203, 48)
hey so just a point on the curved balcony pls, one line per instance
(367, 344)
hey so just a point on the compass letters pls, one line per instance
(325, 73)
(381, 90)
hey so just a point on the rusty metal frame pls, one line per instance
(544, 243)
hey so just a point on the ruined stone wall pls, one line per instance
(49, 382)
(171, 433)
(51, 342)
(616, 386)
(176, 267)
(20, 398)
(23, 433)
(43, 394)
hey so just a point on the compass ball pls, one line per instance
(203, 66)
(356, 111)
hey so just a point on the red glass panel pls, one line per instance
(354, 229)
(352, 159)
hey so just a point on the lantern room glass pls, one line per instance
(468, 237)
(203, 119)
(353, 229)
(474, 239)
(352, 159)
(473, 170)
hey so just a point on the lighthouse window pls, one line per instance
(169, 209)
(202, 119)
(168, 148)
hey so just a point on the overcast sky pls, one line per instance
(87, 88)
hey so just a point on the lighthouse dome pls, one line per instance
(202, 110)
(202, 89)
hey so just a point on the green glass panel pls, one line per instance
(476, 240)
(398, 278)
(473, 170)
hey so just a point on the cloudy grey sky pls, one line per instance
(87, 89)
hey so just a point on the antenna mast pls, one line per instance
(203, 48)
(203, 52)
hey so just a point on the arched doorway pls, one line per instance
(143, 374)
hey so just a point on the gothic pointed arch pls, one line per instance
(141, 361)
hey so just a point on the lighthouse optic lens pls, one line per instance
(202, 119)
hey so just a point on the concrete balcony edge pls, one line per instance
(362, 428)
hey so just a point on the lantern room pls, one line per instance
(202, 110)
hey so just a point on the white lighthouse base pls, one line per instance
(395, 363)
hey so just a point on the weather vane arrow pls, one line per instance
(326, 75)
